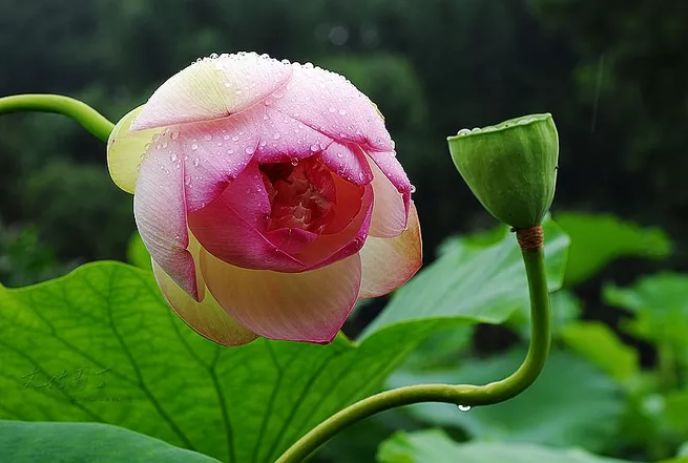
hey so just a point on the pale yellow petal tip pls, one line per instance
(125, 151)
(207, 317)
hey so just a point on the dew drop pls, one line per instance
(315, 148)
(207, 137)
(294, 162)
(174, 135)
(463, 132)
(413, 188)
(464, 408)
(276, 136)
(342, 112)
(194, 147)
(235, 138)
(250, 150)
(196, 162)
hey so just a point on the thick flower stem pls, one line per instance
(90, 119)
(464, 394)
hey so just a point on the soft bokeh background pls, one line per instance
(612, 73)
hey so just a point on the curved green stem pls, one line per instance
(464, 394)
(90, 119)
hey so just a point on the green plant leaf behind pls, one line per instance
(572, 403)
(30, 442)
(137, 254)
(597, 240)
(659, 304)
(436, 447)
(473, 280)
(101, 345)
(600, 345)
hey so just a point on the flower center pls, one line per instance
(302, 195)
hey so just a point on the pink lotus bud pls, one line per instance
(269, 197)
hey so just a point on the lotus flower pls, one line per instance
(269, 197)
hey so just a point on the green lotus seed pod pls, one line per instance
(511, 167)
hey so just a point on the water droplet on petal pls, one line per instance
(413, 188)
(174, 135)
(294, 162)
(235, 138)
(463, 132)
(196, 162)
(315, 148)
(194, 146)
(250, 150)
(342, 112)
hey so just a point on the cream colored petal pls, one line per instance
(125, 151)
(388, 263)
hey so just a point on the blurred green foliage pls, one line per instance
(613, 77)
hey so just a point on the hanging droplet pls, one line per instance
(464, 408)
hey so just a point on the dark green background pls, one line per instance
(613, 74)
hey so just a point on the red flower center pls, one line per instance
(302, 195)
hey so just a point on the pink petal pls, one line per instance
(347, 161)
(310, 306)
(207, 317)
(330, 104)
(390, 211)
(389, 262)
(232, 227)
(213, 88)
(160, 212)
(390, 166)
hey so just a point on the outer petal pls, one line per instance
(207, 317)
(389, 262)
(390, 213)
(310, 306)
(160, 212)
(126, 149)
(213, 88)
(232, 227)
(329, 103)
